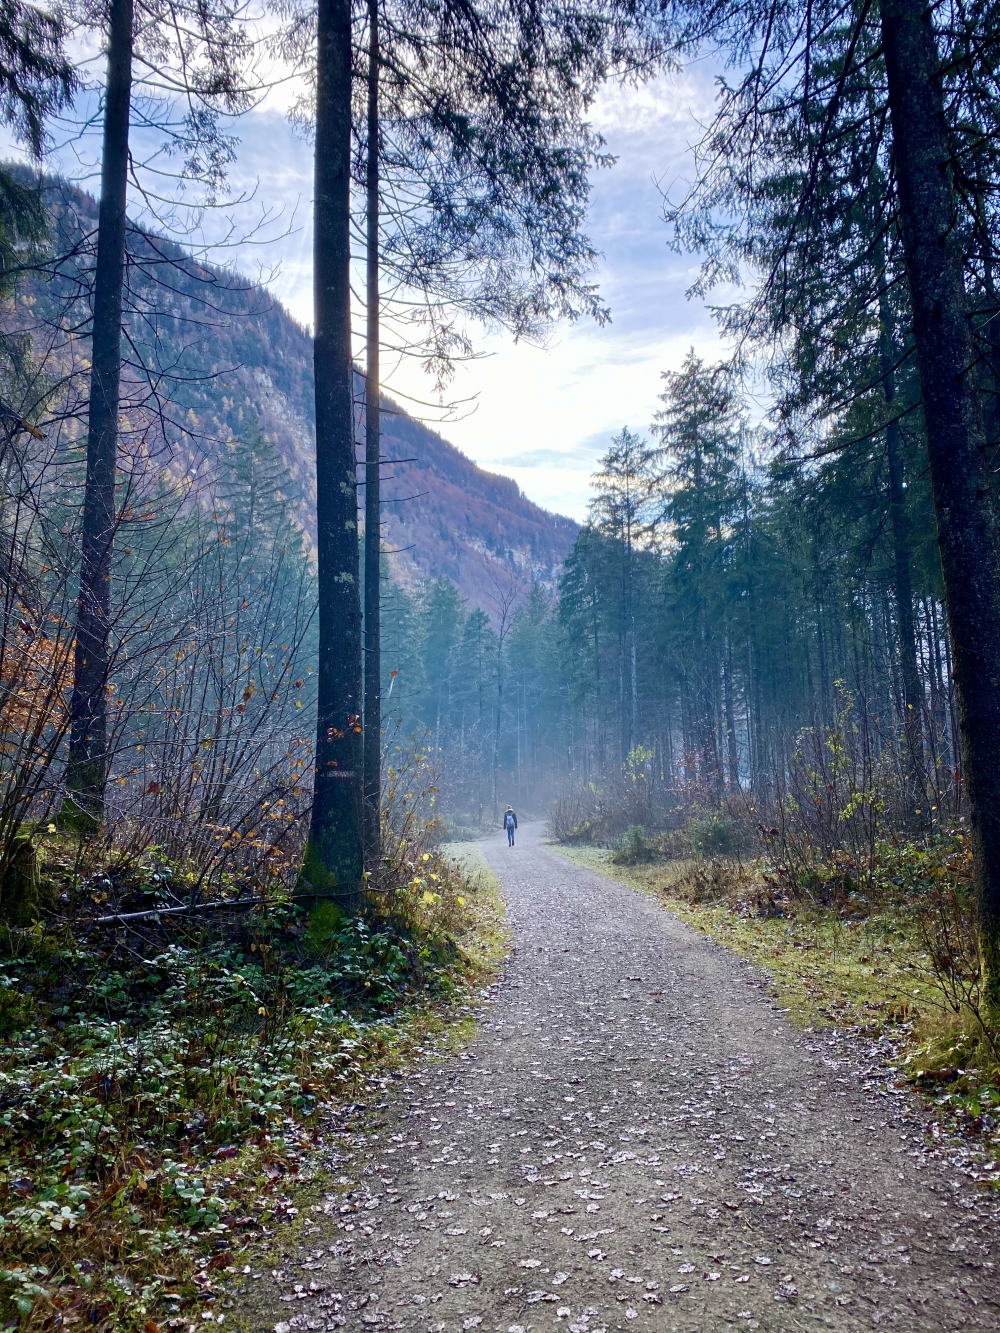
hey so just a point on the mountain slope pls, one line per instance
(208, 347)
(443, 515)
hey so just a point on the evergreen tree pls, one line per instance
(622, 509)
(697, 428)
(904, 100)
(216, 721)
(442, 624)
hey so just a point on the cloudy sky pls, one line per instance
(542, 415)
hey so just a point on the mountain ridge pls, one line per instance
(231, 349)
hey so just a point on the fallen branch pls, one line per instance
(215, 905)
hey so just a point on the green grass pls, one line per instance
(487, 940)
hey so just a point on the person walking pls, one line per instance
(510, 824)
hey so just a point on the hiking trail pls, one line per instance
(635, 1139)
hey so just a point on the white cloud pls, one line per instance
(545, 415)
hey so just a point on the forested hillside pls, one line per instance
(730, 599)
(208, 349)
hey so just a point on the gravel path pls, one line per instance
(635, 1140)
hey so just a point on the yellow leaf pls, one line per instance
(461, 901)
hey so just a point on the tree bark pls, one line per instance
(967, 527)
(913, 693)
(732, 747)
(333, 862)
(87, 761)
(373, 647)
(706, 705)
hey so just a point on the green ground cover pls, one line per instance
(161, 1093)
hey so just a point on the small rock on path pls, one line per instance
(636, 1139)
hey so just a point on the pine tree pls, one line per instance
(697, 429)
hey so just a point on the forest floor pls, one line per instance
(162, 1088)
(636, 1137)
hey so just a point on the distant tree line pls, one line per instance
(458, 137)
(728, 603)
(762, 588)
(851, 169)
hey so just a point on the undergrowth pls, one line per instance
(160, 1082)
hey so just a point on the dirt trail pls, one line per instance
(636, 1140)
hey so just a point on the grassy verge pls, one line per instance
(868, 975)
(485, 941)
(161, 1093)
(826, 971)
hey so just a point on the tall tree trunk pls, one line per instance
(967, 528)
(940, 707)
(633, 675)
(755, 702)
(913, 694)
(333, 860)
(732, 747)
(825, 689)
(706, 695)
(87, 761)
(624, 672)
(373, 424)
(598, 713)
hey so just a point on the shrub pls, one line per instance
(715, 881)
(141, 1056)
(19, 884)
(715, 833)
(633, 848)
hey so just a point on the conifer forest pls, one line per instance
(265, 700)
